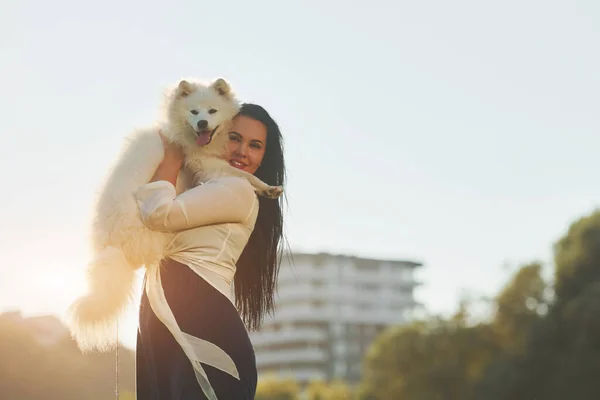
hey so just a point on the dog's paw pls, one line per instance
(271, 192)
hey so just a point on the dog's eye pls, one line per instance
(195, 112)
(212, 111)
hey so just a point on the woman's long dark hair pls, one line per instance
(257, 268)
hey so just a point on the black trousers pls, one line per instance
(163, 371)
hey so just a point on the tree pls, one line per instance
(561, 353)
(519, 306)
(563, 356)
(435, 360)
(339, 390)
(320, 390)
(272, 388)
(127, 396)
(317, 390)
(577, 257)
(455, 358)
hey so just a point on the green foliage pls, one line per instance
(437, 359)
(127, 396)
(562, 356)
(577, 257)
(338, 390)
(518, 307)
(319, 390)
(272, 388)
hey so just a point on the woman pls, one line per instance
(200, 349)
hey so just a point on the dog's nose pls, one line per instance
(202, 124)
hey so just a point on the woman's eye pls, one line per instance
(256, 145)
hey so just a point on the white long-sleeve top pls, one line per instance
(213, 223)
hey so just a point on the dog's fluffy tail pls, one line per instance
(93, 317)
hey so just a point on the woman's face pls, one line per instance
(247, 143)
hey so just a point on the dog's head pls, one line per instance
(198, 110)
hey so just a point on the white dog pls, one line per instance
(198, 117)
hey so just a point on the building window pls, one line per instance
(317, 303)
(318, 283)
(340, 348)
(369, 287)
(340, 369)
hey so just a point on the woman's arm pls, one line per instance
(227, 200)
(169, 168)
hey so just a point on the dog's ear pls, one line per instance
(222, 87)
(184, 89)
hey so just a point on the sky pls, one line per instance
(464, 134)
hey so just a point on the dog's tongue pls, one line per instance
(203, 138)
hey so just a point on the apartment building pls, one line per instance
(329, 308)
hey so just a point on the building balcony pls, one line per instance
(260, 338)
(266, 357)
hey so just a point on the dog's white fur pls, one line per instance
(121, 242)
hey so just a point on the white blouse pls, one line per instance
(213, 223)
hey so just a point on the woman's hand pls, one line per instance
(173, 153)
(168, 169)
